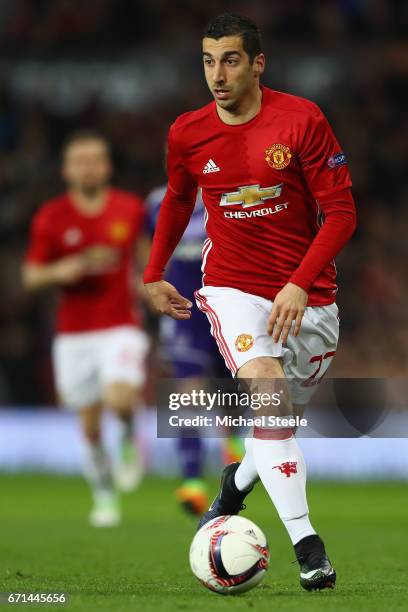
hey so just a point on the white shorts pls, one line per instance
(239, 325)
(85, 363)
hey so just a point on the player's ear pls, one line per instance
(258, 65)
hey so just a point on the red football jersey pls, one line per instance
(261, 182)
(104, 297)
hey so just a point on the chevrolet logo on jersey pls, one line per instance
(251, 195)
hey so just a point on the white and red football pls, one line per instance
(229, 555)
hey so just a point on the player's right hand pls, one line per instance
(165, 299)
(70, 270)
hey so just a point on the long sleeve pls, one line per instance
(339, 225)
(175, 211)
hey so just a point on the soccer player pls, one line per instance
(191, 352)
(279, 209)
(83, 243)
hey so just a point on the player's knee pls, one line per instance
(259, 374)
(120, 398)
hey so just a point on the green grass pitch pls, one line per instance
(46, 545)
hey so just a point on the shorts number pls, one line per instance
(313, 380)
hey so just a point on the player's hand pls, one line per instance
(165, 299)
(289, 305)
(70, 270)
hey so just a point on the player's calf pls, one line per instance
(120, 398)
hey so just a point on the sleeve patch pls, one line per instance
(337, 160)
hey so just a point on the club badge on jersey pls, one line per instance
(119, 231)
(278, 156)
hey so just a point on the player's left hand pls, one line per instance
(289, 305)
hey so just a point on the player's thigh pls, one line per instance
(308, 356)
(238, 323)
(76, 370)
(122, 357)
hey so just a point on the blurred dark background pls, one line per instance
(129, 68)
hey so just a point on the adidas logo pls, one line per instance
(210, 166)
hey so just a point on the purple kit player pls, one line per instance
(190, 349)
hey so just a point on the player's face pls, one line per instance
(228, 70)
(87, 166)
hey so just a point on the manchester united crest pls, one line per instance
(244, 342)
(119, 231)
(278, 156)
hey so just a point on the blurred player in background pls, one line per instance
(192, 354)
(83, 243)
(279, 208)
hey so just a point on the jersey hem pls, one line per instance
(82, 332)
(324, 301)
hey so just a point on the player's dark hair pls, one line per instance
(229, 24)
(84, 136)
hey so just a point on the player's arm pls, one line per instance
(66, 271)
(328, 179)
(175, 213)
(142, 250)
(41, 269)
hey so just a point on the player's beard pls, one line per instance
(229, 106)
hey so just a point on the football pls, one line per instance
(229, 555)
